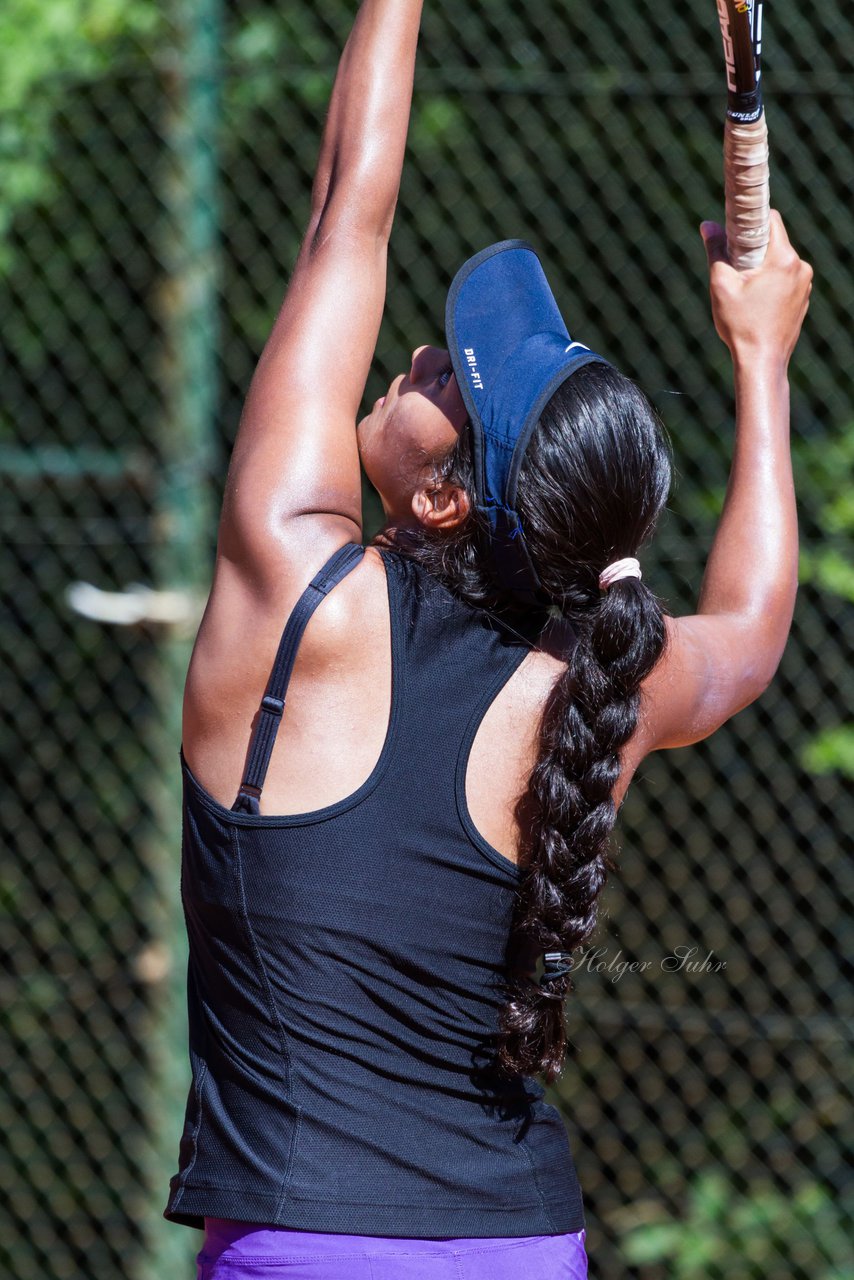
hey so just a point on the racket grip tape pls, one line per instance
(746, 184)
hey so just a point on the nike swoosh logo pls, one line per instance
(576, 344)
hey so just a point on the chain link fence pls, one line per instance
(156, 166)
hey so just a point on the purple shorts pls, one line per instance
(245, 1251)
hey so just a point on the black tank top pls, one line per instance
(344, 972)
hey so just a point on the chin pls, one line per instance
(363, 434)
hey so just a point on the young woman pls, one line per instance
(382, 910)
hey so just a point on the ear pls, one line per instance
(442, 506)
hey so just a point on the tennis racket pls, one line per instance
(748, 208)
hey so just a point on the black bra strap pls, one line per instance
(273, 702)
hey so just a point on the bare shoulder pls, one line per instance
(537, 677)
(242, 626)
(353, 618)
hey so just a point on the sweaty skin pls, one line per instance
(293, 496)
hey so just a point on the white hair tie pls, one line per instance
(626, 568)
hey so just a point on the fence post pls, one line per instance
(183, 526)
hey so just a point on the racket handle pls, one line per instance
(748, 201)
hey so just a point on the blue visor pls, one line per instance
(511, 350)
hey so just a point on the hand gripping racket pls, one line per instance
(748, 208)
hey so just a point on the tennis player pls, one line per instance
(402, 763)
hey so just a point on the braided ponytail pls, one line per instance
(591, 714)
(592, 485)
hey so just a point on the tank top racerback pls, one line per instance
(345, 968)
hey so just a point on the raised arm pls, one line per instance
(293, 491)
(721, 658)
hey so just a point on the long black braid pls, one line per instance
(593, 483)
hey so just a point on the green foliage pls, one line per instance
(256, 53)
(436, 122)
(46, 52)
(822, 471)
(830, 569)
(725, 1233)
(831, 751)
(822, 468)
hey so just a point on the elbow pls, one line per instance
(757, 686)
(760, 674)
(765, 639)
(355, 205)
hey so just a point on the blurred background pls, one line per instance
(155, 169)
